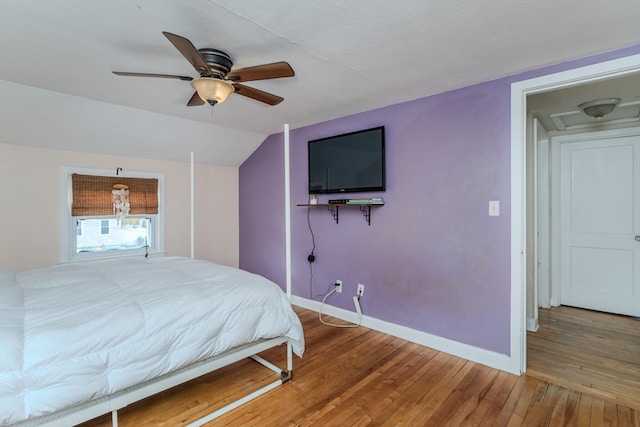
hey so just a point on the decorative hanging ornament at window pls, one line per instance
(120, 199)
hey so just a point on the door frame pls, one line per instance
(519, 92)
(541, 291)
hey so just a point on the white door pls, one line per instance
(600, 224)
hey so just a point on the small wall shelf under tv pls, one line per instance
(334, 208)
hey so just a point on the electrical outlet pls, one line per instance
(360, 290)
(338, 285)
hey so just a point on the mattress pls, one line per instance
(80, 331)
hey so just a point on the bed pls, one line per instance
(83, 339)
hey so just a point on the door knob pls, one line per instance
(638, 238)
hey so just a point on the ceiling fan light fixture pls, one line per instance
(599, 108)
(212, 90)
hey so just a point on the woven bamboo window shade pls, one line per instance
(92, 195)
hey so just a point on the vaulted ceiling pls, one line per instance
(57, 88)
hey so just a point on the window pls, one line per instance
(104, 225)
(112, 234)
(89, 227)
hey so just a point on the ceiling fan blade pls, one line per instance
(195, 100)
(275, 70)
(189, 51)
(257, 94)
(161, 76)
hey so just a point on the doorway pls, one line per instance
(521, 295)
(581, 341)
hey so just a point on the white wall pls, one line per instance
(29, 208)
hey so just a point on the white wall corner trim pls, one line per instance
(464, 351)
(192, 209)
(287, 210)
(519, 92)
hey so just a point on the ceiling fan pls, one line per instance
(217, 79)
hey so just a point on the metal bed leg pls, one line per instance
(114, 418)
(266, 364)
(234, 405)
(285, 376)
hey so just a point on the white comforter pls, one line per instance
(75, 332)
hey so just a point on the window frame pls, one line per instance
(68, 227)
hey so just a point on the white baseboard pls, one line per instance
(532, 324)
(465, 351)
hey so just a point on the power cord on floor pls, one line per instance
(350, 325)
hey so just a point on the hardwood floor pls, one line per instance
(358, 377)
(589, 351)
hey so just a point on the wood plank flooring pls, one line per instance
(589, 351)
(359, 377)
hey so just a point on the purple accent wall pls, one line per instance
(262, 228)
(432, 259)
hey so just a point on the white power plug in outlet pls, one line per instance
(360, 290)
(356, 304)
(338, 285)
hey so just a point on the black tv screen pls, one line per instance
(347, 163)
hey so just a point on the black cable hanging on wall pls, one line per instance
(311, 259)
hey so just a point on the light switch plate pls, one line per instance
(494, 208)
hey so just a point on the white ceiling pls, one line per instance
(558, 110)
(56, 58)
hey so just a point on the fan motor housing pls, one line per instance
(218, 61)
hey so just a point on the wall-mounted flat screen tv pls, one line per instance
(347, 163)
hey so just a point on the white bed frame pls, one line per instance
(112, 403)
